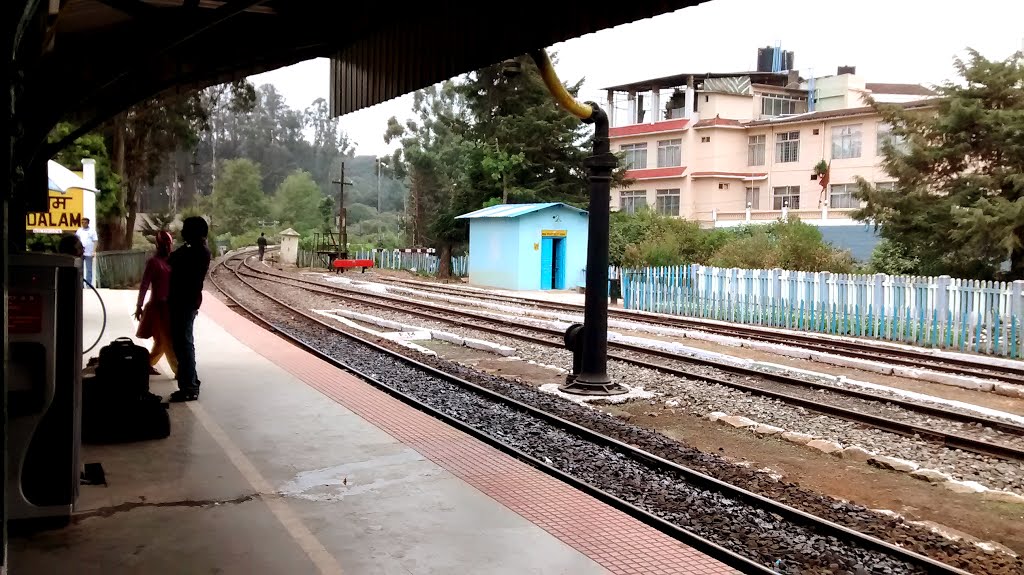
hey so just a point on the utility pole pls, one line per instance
(380, 238)
(342, 223)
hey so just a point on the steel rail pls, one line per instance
(947, 439)
(869, 351)
(702, 544)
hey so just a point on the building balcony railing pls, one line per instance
(722, 218)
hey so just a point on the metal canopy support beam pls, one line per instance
(136, 8)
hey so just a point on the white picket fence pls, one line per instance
(418, 261)
(980, 316)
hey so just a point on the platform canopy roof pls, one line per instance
(86, 60)
(513, 210)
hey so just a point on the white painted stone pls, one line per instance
(930, 475)
(853, 362)
(502, 350)
(421, 335)
(910, 372)
(716, 415)
(796, 353)
(958, 380)
(1008, 389)
(1004, 496)
(893, 463)
(765, 429)
(888, 513)
(798, 371)
(958, 486)
(824, 445)
(447, 337)
(739, 421)
(856, 453)
(672, 403)
(797, 438)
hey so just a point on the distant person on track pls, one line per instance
(189, 265)
(88, 237)
(155, 317)
(261, 244)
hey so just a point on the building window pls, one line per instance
(754, 198)
(705, 139)
(887, 186)
(723, 185)
(846, 142)
(841, 196)
(668, 202)
(755, 150)
(636, 155)
(786, 197)
(670, 153)
(884, 134)
(773, 106)
(632, 201)
(787, 147)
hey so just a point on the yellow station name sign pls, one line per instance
(552, 233)
(65, 214)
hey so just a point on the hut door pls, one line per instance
(547, 262)
(558, 273)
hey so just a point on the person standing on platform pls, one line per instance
(88, 237)
(261, 243)
(189, 265)
(155, 318)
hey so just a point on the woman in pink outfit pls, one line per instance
(154, 319)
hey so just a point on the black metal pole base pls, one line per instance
(578, 383)
(577, 387)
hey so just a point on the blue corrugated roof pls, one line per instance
(512, 210)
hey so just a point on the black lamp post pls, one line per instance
(589, 342)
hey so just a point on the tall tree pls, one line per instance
(957, 206)
(297, 202)
(109, 201)
(436, 157)
(238, 202)
(146, 135)
(531, 149)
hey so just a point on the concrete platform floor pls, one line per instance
(288, 465)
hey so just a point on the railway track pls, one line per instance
(746, 530)
(791, 390)
(874, 351)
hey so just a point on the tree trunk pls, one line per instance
(444, 263)
(112, 229)
(1017, 261)
(131, 205)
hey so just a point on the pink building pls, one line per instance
(730, 148)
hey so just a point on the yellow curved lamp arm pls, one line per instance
(579, 109)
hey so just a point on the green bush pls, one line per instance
(893, 259)
(648, 239)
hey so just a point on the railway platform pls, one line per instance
(288, 464)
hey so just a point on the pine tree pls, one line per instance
(958, 203)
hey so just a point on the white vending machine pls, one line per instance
(44, 389)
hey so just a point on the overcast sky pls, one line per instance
(887, 40)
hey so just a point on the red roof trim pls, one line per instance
(641, 129)
(651, 173)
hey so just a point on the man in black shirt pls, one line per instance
(261, 243)
(189, 265)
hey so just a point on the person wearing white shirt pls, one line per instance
(88, 237)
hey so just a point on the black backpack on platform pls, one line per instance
(123, 368)
(116, 403)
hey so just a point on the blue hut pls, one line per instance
(527, 246)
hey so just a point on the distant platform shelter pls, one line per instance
(527, 246)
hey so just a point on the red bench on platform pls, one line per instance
(344, 264)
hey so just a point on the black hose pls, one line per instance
(103, 327)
